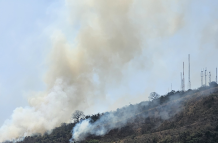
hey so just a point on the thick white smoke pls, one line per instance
(107, 122)
(110, 35)
(129, 115)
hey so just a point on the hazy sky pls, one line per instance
(26, 28)
(23, 50)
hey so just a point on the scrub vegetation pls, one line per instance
(183, 117)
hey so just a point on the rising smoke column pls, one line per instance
(110, 36)
(131, 114)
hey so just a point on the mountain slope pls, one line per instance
(190, 116)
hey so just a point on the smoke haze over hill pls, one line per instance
(111, 38)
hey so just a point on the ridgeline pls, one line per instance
(183, 117)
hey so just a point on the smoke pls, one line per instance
(162, 109)
(111, 35)
(128, 116)
(107, 122)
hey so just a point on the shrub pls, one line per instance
(93, 141)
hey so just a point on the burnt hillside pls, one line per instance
(190, 116)
(196, 122)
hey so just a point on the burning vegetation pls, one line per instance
(189, 116)
(112, 37)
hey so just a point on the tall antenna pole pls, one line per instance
(202, 73)
(209, 77)
(189, 71)
(181, 82)
(216, 75)
(201, 77)
(205, 77)
(183, 78)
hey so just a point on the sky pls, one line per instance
(28, 30)
(23, 49)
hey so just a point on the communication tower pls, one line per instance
(183, 79)
(216, 75)
(189, 72)
(205, 77)
(202, 77)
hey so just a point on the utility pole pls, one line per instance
(209, 77)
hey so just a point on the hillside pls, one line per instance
(190, 116)
(196, 122)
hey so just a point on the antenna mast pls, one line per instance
(209, 77)
(216, 75)
(189, 71)
(205, 77)
(183, 78)
(202, 73)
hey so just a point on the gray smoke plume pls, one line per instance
(124, 116)
(110, 35)
(107, 122)
(162, 108)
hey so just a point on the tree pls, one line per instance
(77, 115)
(213, 84)
(153, 95)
